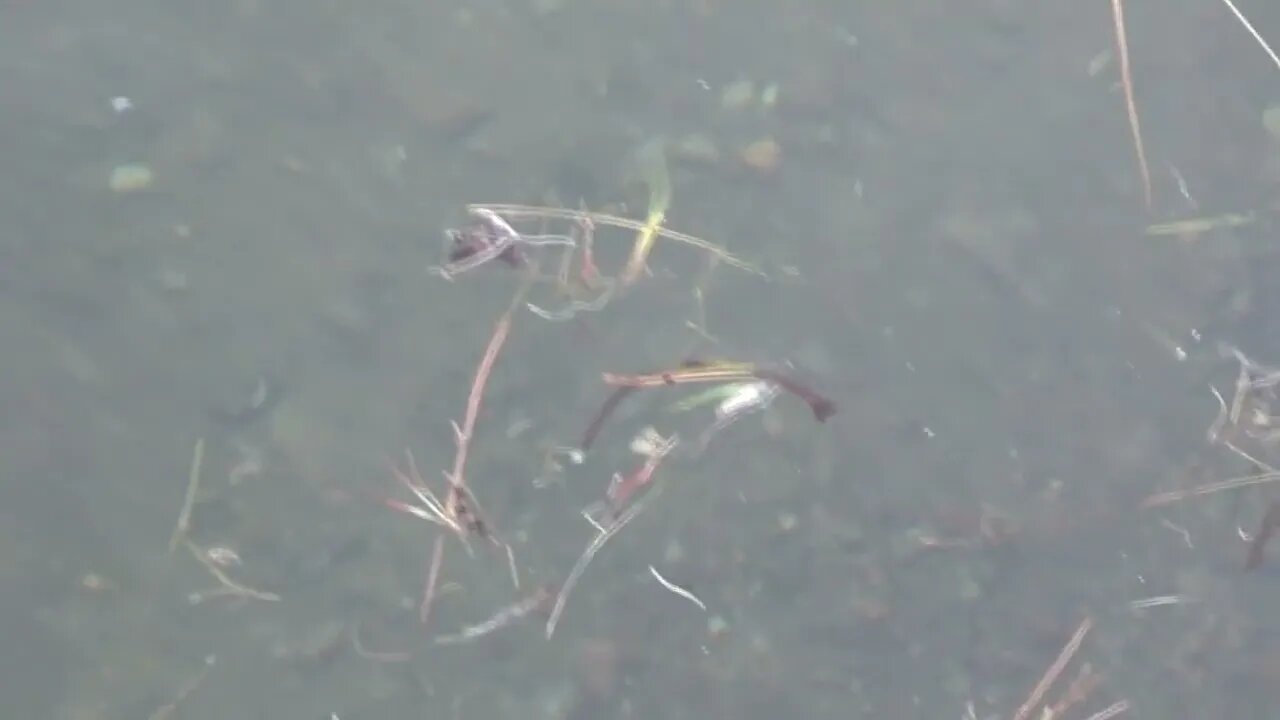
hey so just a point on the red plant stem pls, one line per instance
(621, 491)
(473, 399)
(457, 483)
(693, 371)
(821, 406)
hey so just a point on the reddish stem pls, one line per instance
(606, 410)
(822, 406)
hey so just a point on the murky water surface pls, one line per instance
(217, 223)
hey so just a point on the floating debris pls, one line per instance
(249, 403)
(130, 178)
(1267, 528)
(651, 160)
(726, 371)
(696, 148)
(1200, 225)
(676, 589)
(1271, 122)
(769, 96)
(738, 95)
(524, 238)
(763, 156)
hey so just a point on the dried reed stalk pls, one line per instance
(1256, 35)
(1051, 675)
(1126, 80)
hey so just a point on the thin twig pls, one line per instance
(594, 547)
(192, 684)
(1159, 601)
(571, 310)
(1256, 35)
(502, 618)
(382, 656)
(676, 589)
(1267, 528)
(652, 159)
(1257, 464)
(189, 501)
(1050, 675)
(464, 433)
(228, 586)
(1110, 711)
(432, 509)
(433, 578)
(530, 211)
(1243, 386)
(1220, 420)
(460, 500)
(1126, 80)
(716, 372)
(1077, 692)
(725, 372)
(511, 565)
(597, 422)
(1173, 496)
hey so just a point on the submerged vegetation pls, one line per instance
(491, 235)
(810, 538)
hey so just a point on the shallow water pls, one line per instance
(952, 227)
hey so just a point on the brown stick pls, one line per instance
(714, 373)
(1126, 80)
(719, 372)
(463, 434)
(460, 498)
(821, 406)
(1050, 675)
(597, 422)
